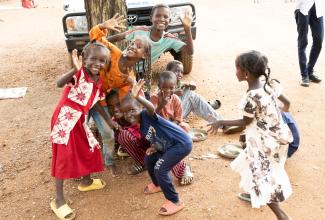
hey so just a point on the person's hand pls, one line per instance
(118, 115)
(113, 124)
(76, 60)
(163, 98)
(151, 150)
(115, 23)
(136, 88)
(188, 18)
(214, 126)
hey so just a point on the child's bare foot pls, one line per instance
(113, 170)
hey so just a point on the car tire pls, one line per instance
(186, 59)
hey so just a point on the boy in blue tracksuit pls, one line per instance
(169, 145)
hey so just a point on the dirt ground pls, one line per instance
(33, 54)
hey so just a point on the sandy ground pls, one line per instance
(33, 54)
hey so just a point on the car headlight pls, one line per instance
(76, 24)
(178, 12)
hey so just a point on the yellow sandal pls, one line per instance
(97, 184)
(63, 211)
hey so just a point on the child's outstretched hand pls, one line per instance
(76, 60)
(214, 126)
(115, 23)
(188, 18)
(136, 88)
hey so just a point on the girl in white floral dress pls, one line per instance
(261, 164)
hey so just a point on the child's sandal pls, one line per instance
(121, 152)
(96, 184)
(170, 208)
(215, 104)
(135, 169)
(245, 197)
(64, 212)
(188, 176)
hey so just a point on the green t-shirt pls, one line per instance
(167, 42)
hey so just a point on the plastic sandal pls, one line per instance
(121, 152)
(244, 196)
(135, 169)
(151, 189)
(215, 104)
(188, 176)
(171, 208)
(63, 211)
(97, 184)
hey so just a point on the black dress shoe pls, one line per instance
(305, 81)
(314, 78)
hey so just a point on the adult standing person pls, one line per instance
(309, 13)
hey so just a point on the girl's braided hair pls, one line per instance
(256, 64)
(90, 46)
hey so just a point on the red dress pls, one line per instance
(75, 150)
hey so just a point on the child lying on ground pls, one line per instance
(169, 144)
(130, 139)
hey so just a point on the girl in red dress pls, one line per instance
(75, 150)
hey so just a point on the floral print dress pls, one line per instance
(261, 164)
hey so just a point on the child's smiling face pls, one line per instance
(95, 60)
(160, 18)
(136, 49)
(178, 70)
(167, 87)
(131, 111)
(113, 104)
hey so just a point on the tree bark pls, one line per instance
(98, 11)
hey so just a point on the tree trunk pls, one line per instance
(98, 11)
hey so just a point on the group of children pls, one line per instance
(114, 88)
